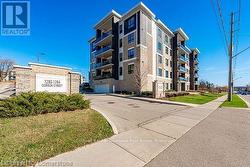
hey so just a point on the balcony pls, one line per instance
(196, 61)
(103, 76)
(183, 58)
(185, 49)
(182, 69)
(103, 64)
(183, 79)
(103, 51)
(104, 39)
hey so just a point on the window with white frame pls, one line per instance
(131, 38)
(166, 62)
(159, 46)
(166, 40)
(120, 28)
(131, 22)
(159, 59)
(131, 68)
(159, 72)
(131, 53)
(166, 50)
(166, 73)
(120, 56)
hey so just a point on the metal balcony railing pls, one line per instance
(183, 58)
(182, 79)
(103, 63)
(104, 35)
(185, 48)
(182, 69)
(102, 50)
(103, 76)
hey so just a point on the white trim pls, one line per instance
(180, 30)
(131, 63)
(141, 45)
(131, 48)
(129, 33)
(74, 72)
(112, 12)
(26, 67)
(47, 65)
(164, 26)
(124, 61)
(140, 4)
(197, 50)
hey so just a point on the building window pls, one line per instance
(131, 22)
(131, 53)
(159, 46)
(166, 50)
(159, 59)
(120, 56)
(171, 75)
(167, 87)
(166, 74)
(171, 63)
(120, 70)
(131, 68)
(159, 33)
(120, 28)
(171, 86)
(120, 43)
(166, 62)
(159, 72)
(131, 38)
(166, 39)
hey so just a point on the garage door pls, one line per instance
(104, 88)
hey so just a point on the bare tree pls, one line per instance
(139, 75)
(6, 65)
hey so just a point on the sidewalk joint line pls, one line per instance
(127, 151)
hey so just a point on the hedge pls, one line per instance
(34, 103)
(174, 94)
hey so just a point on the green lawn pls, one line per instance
(236, 102)
(39, 137)
(195, 99)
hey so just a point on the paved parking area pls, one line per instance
(127, 113)
(221, 140)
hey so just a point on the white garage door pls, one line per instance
(104, 88)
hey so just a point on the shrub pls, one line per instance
(147, 94)
(174, 94)
(34, 103)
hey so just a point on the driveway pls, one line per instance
(221, 140)
(127, 114)
(147, 130)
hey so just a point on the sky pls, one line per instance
(61, 30)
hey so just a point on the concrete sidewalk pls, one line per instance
(136, 147)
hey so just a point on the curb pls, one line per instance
(154, 100)
(248, 104)
(112, 124)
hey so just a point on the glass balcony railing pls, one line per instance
(103, 76)
(104, 35)
(182, 79)
(102, 50)
(97, 65)
(185, 48)
(183, 58)
(182, 69)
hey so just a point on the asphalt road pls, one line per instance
(246, 97)
(221, 140)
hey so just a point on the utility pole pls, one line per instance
(230, 51)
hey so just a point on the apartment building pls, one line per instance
(131, 52)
